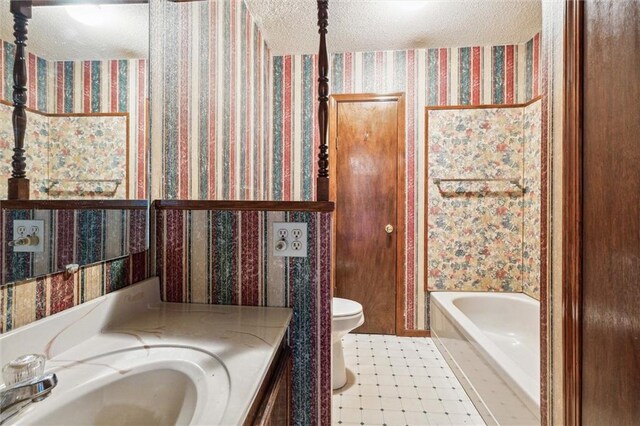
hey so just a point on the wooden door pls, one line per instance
(366, 219)
(602, 298)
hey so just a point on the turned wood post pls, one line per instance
(322, 187)
(18, 182)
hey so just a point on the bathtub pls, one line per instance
(492, 343)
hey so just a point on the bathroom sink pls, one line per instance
(139, 386)
(159, 397)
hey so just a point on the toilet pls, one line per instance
(347, 315)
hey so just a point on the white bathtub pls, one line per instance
(492, 342)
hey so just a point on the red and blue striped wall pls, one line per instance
(224, 257)
(473, 75)
(215, 109)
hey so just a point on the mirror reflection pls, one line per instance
(87, 98)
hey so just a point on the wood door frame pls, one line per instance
(572, 214)
(334, 100)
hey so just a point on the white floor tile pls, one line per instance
(349, 401)
(416, 418)
(412, 405)
(394, 418)
(400, 381)
(393, 404)
(438, 419)
(372, 417)
(350, 415)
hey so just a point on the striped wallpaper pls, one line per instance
(89, 86)
(210, 102)
(225, 257)
(26, 302)
(446, 76)
(72, 236)
(38, 77)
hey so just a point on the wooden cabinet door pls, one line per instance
(275, 408)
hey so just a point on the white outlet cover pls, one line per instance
(29, 226)
(290, 227)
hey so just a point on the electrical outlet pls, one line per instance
(290, 239)
(29, 229)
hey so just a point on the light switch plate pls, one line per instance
(290, 239)
(23, 228)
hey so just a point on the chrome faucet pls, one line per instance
(17, 396)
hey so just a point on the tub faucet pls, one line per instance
(17, 396)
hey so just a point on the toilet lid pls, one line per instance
(345, 307)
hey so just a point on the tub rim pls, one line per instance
(499, 361)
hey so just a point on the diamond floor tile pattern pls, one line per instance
(399, 381)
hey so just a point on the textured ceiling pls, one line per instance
(54, 35)
(290, 26)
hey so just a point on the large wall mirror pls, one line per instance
(86, 138)
(87, 97)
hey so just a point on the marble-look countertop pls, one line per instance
(243, 340)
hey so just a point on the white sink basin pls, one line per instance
(161, 385)
(128, 358)
(160, 397)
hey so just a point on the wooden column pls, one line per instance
(322, 187)
(18, 183)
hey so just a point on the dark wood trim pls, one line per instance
(281, 206)
(572, 212)
(322, 186)
(400, 185)
(279, 362)
(40, 3)
(281, 378)
(74, 204)
(18, 183)
(414, 333)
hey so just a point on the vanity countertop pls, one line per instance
(243, 341)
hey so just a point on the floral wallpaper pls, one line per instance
(474, 229)
(532, 203)
(88, 156)
(67, 154)
(36, 139)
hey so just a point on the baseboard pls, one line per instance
(414, 333)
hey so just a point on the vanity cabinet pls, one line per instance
(273, 402)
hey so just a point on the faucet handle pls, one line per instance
(23, 368)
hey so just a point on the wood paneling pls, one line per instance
(367, 183)
(611, 214)
(294, 206)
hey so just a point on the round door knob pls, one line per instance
(388, 228)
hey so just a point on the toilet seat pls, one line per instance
(345, 308)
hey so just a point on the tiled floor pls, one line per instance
(399, 381)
